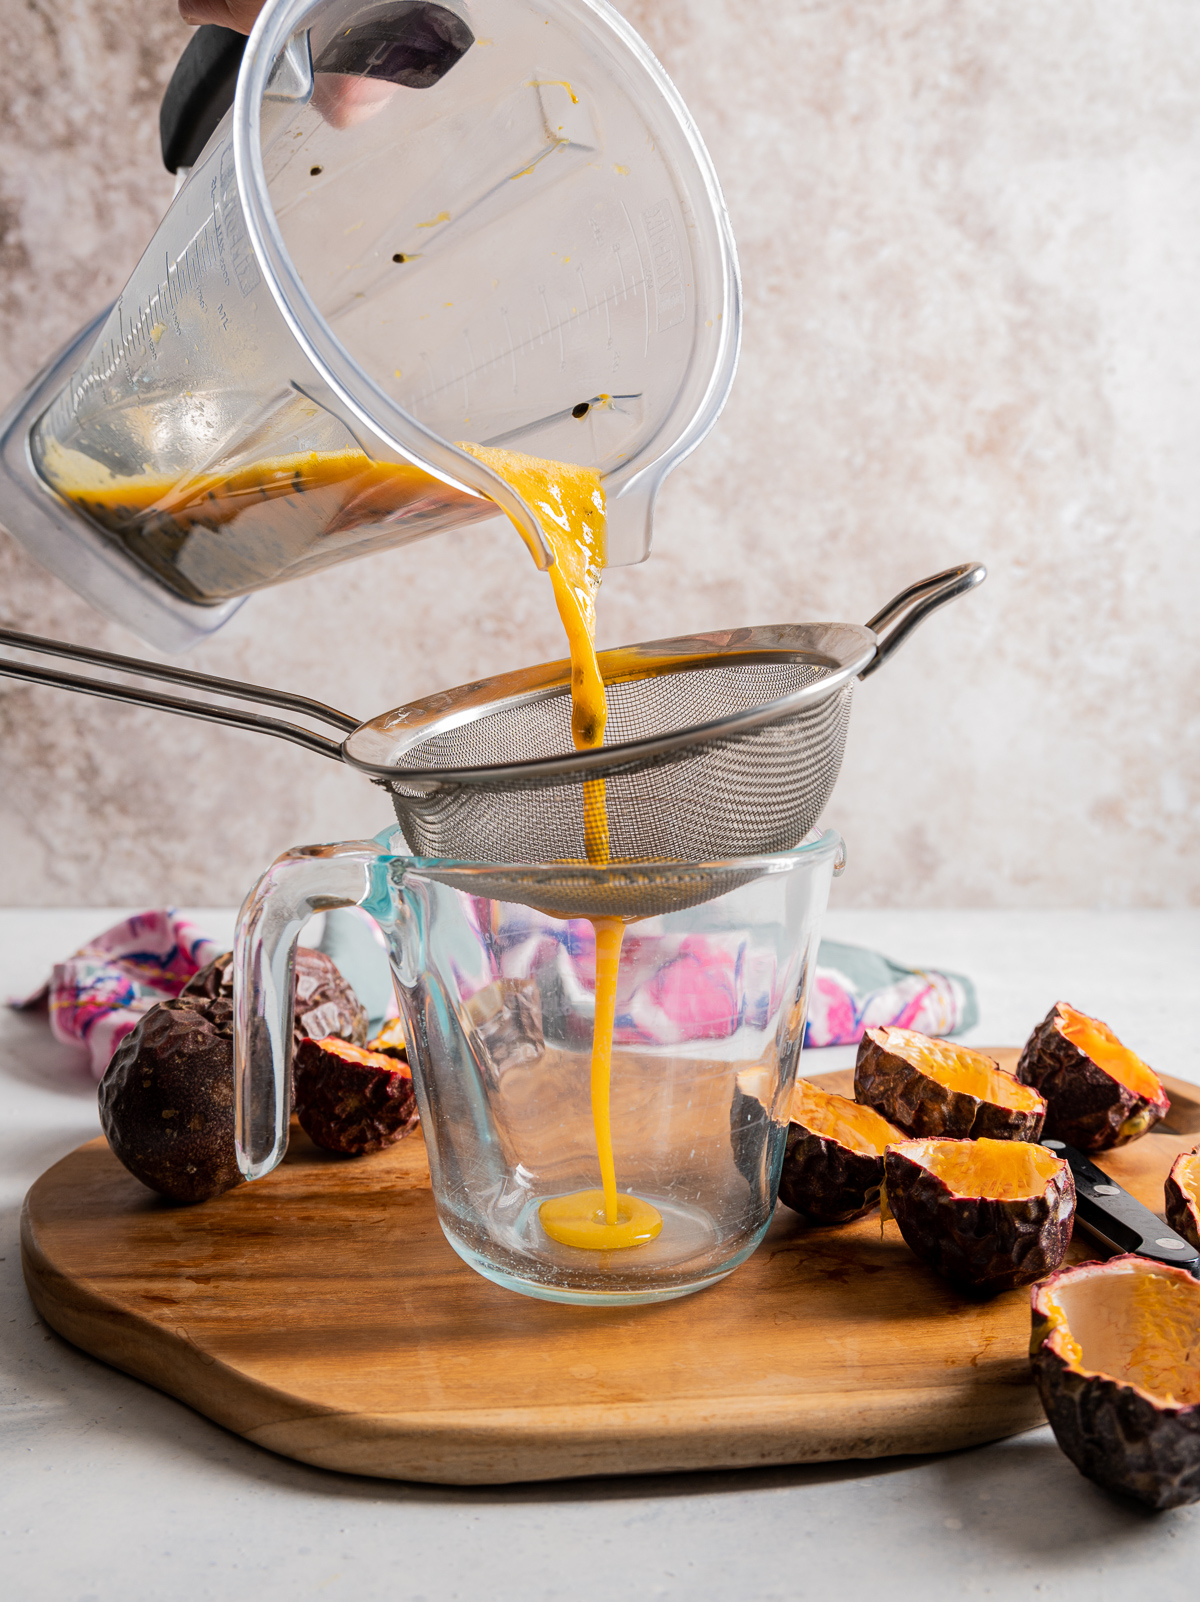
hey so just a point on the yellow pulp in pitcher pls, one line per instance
(569, 503)
(356, 488)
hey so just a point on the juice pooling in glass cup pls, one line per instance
(498, 1000)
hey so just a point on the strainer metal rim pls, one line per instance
(828, 843)
(855, 645)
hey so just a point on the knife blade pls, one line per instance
(1117, 1219)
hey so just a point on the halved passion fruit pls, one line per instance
(1183, 1198)
(352, 1100)
(390, 1040)
(989, 1214)
(1098, 1094)
(1116, 1357)
(833, 1161)
(931, 1087)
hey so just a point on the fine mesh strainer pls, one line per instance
(717, 746)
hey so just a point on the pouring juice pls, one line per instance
(569, 504)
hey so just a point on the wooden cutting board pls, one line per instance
(321, 1313)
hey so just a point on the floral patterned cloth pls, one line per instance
(705, 986)
(855, 990)
(707, 990)
(97, 996)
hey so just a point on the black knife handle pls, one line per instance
(1119, 1220)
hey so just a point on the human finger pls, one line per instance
(240, 15)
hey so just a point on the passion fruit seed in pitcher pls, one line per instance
(833, 1161)
(1183, 1198)
(1098, 1093)
(986, 1214)
(352, 1100)
(932, 1087)
(1114, 1353)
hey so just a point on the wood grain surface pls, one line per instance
(321, 1313)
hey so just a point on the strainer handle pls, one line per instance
(909, 609)
(138, 696)
(303, 881)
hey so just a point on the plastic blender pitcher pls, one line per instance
(513, 236)
(498, 1001)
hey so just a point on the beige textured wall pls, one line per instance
(970, 241)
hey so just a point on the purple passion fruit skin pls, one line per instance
(1182, 1194)
(920, 1105)
(755, 1146)
(980, 1243)
(350, 1100)
(833, 1157)
(1085, 1106)
(324, 1004)
(166, 1100)
(825, 1181)
(1126, 1439)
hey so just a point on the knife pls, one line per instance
(1119, 1220)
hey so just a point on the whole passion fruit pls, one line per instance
(833, 1161)
(1116, 1358)
(324, 1003)
(166, 1099)
(1183, 1197)
(986, 1214)
(932, 1087)
(1098, 1093)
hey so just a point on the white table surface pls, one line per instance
(111, 1492)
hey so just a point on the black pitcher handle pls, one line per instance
(412, 43)
(199, 94)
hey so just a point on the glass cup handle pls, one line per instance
(303, 881)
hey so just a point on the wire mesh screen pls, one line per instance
(757, 792)
(637, 710)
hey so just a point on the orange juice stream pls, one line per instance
(602, 1220)
(569, 503)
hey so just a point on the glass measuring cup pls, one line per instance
(523, 245)
(498, 1001)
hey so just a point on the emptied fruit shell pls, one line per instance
(932, 1087)
(987, 1214)
(1098, 1093)
(351, 1100)
(1116, 1358)
(833, 1161)
(390, 1040)
(1183, 1197)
